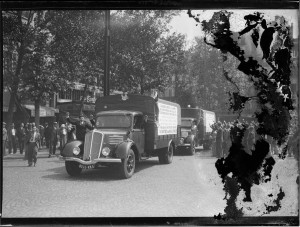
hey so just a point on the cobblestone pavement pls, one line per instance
(189, 187)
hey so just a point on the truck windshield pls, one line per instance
(113, 121)
(186, 123)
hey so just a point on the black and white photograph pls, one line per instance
(150, 115)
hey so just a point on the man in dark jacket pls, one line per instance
(21, 137)
(47, 134)
(92, 120)
(53, 139)
(81, 126)
(33, 146)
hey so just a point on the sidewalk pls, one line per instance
(43, 153)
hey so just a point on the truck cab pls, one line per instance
(126, 131)
(188, 136)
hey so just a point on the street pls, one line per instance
(188, 187)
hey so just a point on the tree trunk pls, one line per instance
(37, 112)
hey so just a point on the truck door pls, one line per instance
(138, 133)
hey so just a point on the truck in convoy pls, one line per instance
(188, 138)
(128, 128)
(205, 119)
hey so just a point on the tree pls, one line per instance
(17, 37)
(142, 52)
(39, 80)
(78, 46)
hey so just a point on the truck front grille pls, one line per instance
(115, 139)
(92, 145)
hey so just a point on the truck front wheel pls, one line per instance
(73, 168)
(128, 165)
(166, 156)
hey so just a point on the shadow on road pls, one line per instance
(100, 174)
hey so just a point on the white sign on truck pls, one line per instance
(167, 119)
(210, 119)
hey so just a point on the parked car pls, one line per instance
(128, 129)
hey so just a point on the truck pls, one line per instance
(187, 141)
(128, 129)
(205, 119)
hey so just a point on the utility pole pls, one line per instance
(106, 53)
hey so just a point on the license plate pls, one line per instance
(92, 166)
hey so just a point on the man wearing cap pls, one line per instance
(4, 138)
(81, 126)
(12, 132)
(33, 146)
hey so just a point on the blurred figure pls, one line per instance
(12, 139)
(62, 136)
(53, 139)
(71, 132)
(33, 146)
(47, 135)
(219, 141)
(4, 138)
(92, 120)
(21, 134)
(28, 131)
(42, 135)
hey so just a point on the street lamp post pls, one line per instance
(107, 53)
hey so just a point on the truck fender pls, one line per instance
(123, 148)
(68, 149)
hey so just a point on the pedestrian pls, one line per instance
(28, 131)
(63, 137)
(42, 135)
(226, 139)
(4, 138)
(92, 120)
(21, 137)
(33, 146)
(53, 139)
(12, 132)
(47, 135)
(219, 141)
(81, 126)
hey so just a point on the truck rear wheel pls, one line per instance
(73, 168)
(166, 156)
(128, 165)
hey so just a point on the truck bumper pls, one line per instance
(95, 161)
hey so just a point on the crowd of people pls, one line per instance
(225, 133)
(28, 139)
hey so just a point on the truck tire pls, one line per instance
(166, 156)
(73, 168)
(128, 165)
(192, 148)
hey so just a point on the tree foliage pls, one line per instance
(142, 53)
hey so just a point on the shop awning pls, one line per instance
(44, 111)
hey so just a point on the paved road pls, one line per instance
(189, 187)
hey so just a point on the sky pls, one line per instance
(187, 26)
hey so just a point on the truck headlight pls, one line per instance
(76, 150)
(105, 151)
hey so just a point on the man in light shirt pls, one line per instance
(12, 132)
(33, 146)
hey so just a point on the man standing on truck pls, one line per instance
(81, 126)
